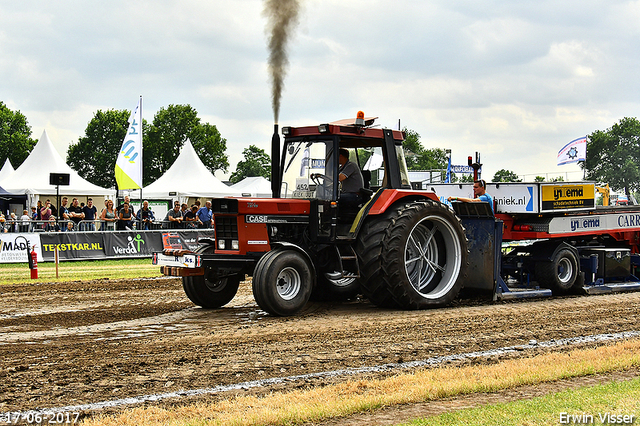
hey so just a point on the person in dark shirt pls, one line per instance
(90, 211)
(75, 212)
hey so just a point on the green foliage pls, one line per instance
(613, 156)
(15, 136)
(503, 175)
(539, 179)
(94, 155)
(171, 127)
(465, 178)
(256, 163)
(420, 158)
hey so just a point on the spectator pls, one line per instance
(52, 226)
(205, 215)
(45, 212)
(108, 216)
(124, 218)
(191, 218)
(53, 209)
(38, 208)
(127, 199)
(90, 214)
(13, 225)
(64, 210)
(174, 216)
(145, 216)
(70, 226)
(34, 213)
(26, 221)
(3, 227)
(75, 213)
(184, 209)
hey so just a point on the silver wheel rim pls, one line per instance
(565, 270)
(288, 283)
(432, 257)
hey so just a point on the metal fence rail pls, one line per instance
(92, 226)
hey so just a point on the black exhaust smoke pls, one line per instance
(282, 18)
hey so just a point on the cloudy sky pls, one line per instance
(514, 80)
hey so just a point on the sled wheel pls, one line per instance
(282, 282)
(561, 273)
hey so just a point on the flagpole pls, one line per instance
(141, 159)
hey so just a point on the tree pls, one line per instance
(503, 175)
(256, 163)
(15, 136)
(171, 127)
(539, 179)
(94, 155)
(420, 158)
(613, 156)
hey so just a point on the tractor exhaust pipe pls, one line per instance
(275, 163)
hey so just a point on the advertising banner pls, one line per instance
(508, 197)
(13, 247)
(132, 244)
(72, 245)
(567, 197)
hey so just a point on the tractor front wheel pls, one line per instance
(282, 282)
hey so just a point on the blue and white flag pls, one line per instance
(448, 177)
(574, 151)
(129, 163)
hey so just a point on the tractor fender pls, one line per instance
(302, 251)
(389, 197)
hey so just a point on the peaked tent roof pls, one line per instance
(6, 170)
(256, 186)
(32, 177)
(187, 176)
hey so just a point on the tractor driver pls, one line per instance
(351, 179)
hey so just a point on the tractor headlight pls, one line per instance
(235, 245)
(221, 244)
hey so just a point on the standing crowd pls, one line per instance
(85, 217)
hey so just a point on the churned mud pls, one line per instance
(85, 342)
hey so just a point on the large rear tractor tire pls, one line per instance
(282, 282)
(422, 256)
(561, 273)
(208, 290)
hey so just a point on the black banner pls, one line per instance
(103, 245)
(72, 245)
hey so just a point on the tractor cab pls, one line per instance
(310, 168)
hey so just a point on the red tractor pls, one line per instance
(397, 246)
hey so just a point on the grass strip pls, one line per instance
(334, 401)
(15, 273)
(599, 404)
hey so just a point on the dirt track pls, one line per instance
(85, 342)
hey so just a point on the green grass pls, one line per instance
(13, 273)
(616, 398)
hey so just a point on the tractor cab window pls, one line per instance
(308, 170)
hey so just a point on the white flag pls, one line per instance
(129, 162)
(574, 151)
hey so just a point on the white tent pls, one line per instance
(6, 170)
(257, 186)
(187, 177)
(32, 177)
